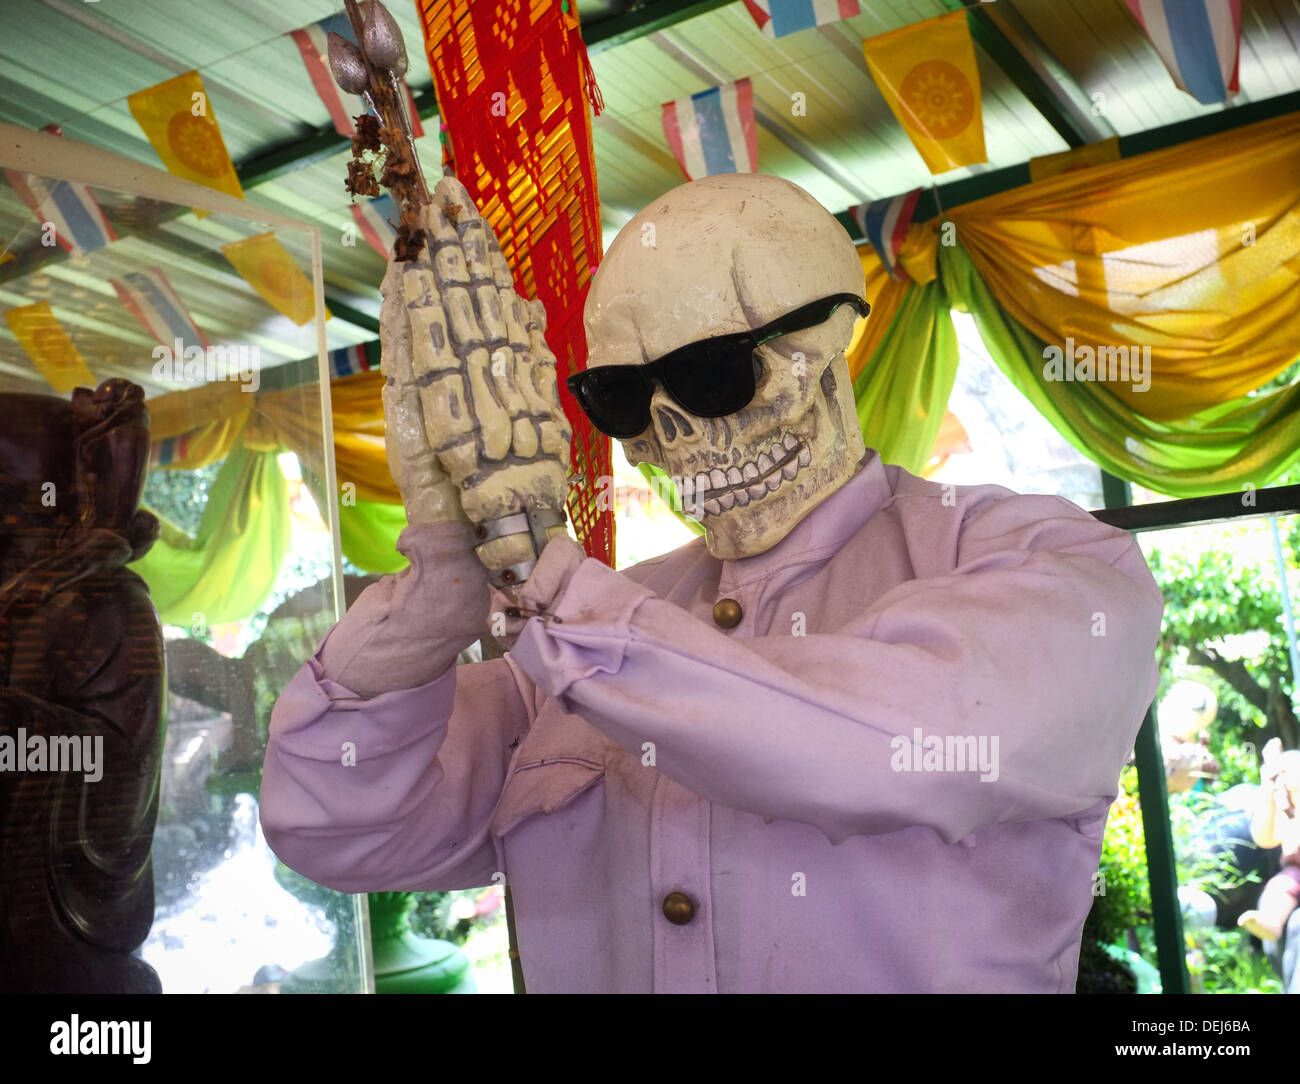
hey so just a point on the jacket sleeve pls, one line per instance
(394, 791)
(1040, 641)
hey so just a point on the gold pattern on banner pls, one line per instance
(928, 77)
(178, 118)
(265, 264)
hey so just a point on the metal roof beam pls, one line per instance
(647, 19)
(970, 189)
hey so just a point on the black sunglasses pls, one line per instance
(709, 378)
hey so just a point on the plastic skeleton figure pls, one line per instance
(863, 736)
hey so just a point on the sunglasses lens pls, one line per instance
(616, 399)
(717, 379)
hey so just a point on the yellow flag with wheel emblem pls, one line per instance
(928, 76)
(52, 351)
(267, 267)
(177, 117)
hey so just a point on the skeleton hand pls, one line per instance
(474, 424)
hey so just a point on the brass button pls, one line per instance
(727, 613)
(678, 908)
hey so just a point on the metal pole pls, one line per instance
(1287, 616)
(1162, 873)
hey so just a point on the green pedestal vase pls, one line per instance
(406, 963)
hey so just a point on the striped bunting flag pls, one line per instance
(168, 450)
(713, 131)
(777, 18)
(78, 220)
(374, 217)
(349, 361)
(311, 42)
(154, 303)
(885, 222)
(1198, 40)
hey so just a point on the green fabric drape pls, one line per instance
(902, 392)
(1252, 439)
(225, 571)
(370, 530)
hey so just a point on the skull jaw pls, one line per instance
(828, 429)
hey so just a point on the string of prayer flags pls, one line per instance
(51, 349)
(884, 223)
(375, 219)
(178, 118)
(265, 264)
(928, 77)
(777, 18)
(1198, 40)
(157, 306)
(68, 211)
(713, 131)
(350, 360)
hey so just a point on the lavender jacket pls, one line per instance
(892, 775)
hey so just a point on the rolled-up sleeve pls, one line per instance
(395, 792)
(1040, 641)
(384, 759)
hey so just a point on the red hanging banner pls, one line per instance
(513, 86)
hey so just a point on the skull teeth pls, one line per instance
(720, 490)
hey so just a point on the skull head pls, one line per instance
(724, 254)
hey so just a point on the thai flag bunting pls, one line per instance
(350, 360)
(154, 303)
(78, 220)
(311, 42)
(777, 18)
(375, 218)
(885, 222)
(168, 450)
(1199, 41)
(713, 131)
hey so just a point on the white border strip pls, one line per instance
(48, 155)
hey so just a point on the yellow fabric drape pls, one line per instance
(288, 418)
(885, 294)
(1193, 251)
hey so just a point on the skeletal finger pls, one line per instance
(428, 334)
(503, 552)
(395, 344)
(437, 225)
(448, 419)
(554, 438)
(462, 321)
(524, 439)
(494, 422)
(500, 268)
(517, 317)
(473, 242)
(503, 369)
(543, 360)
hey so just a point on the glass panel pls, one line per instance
(242, 577)
(1228, 659)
